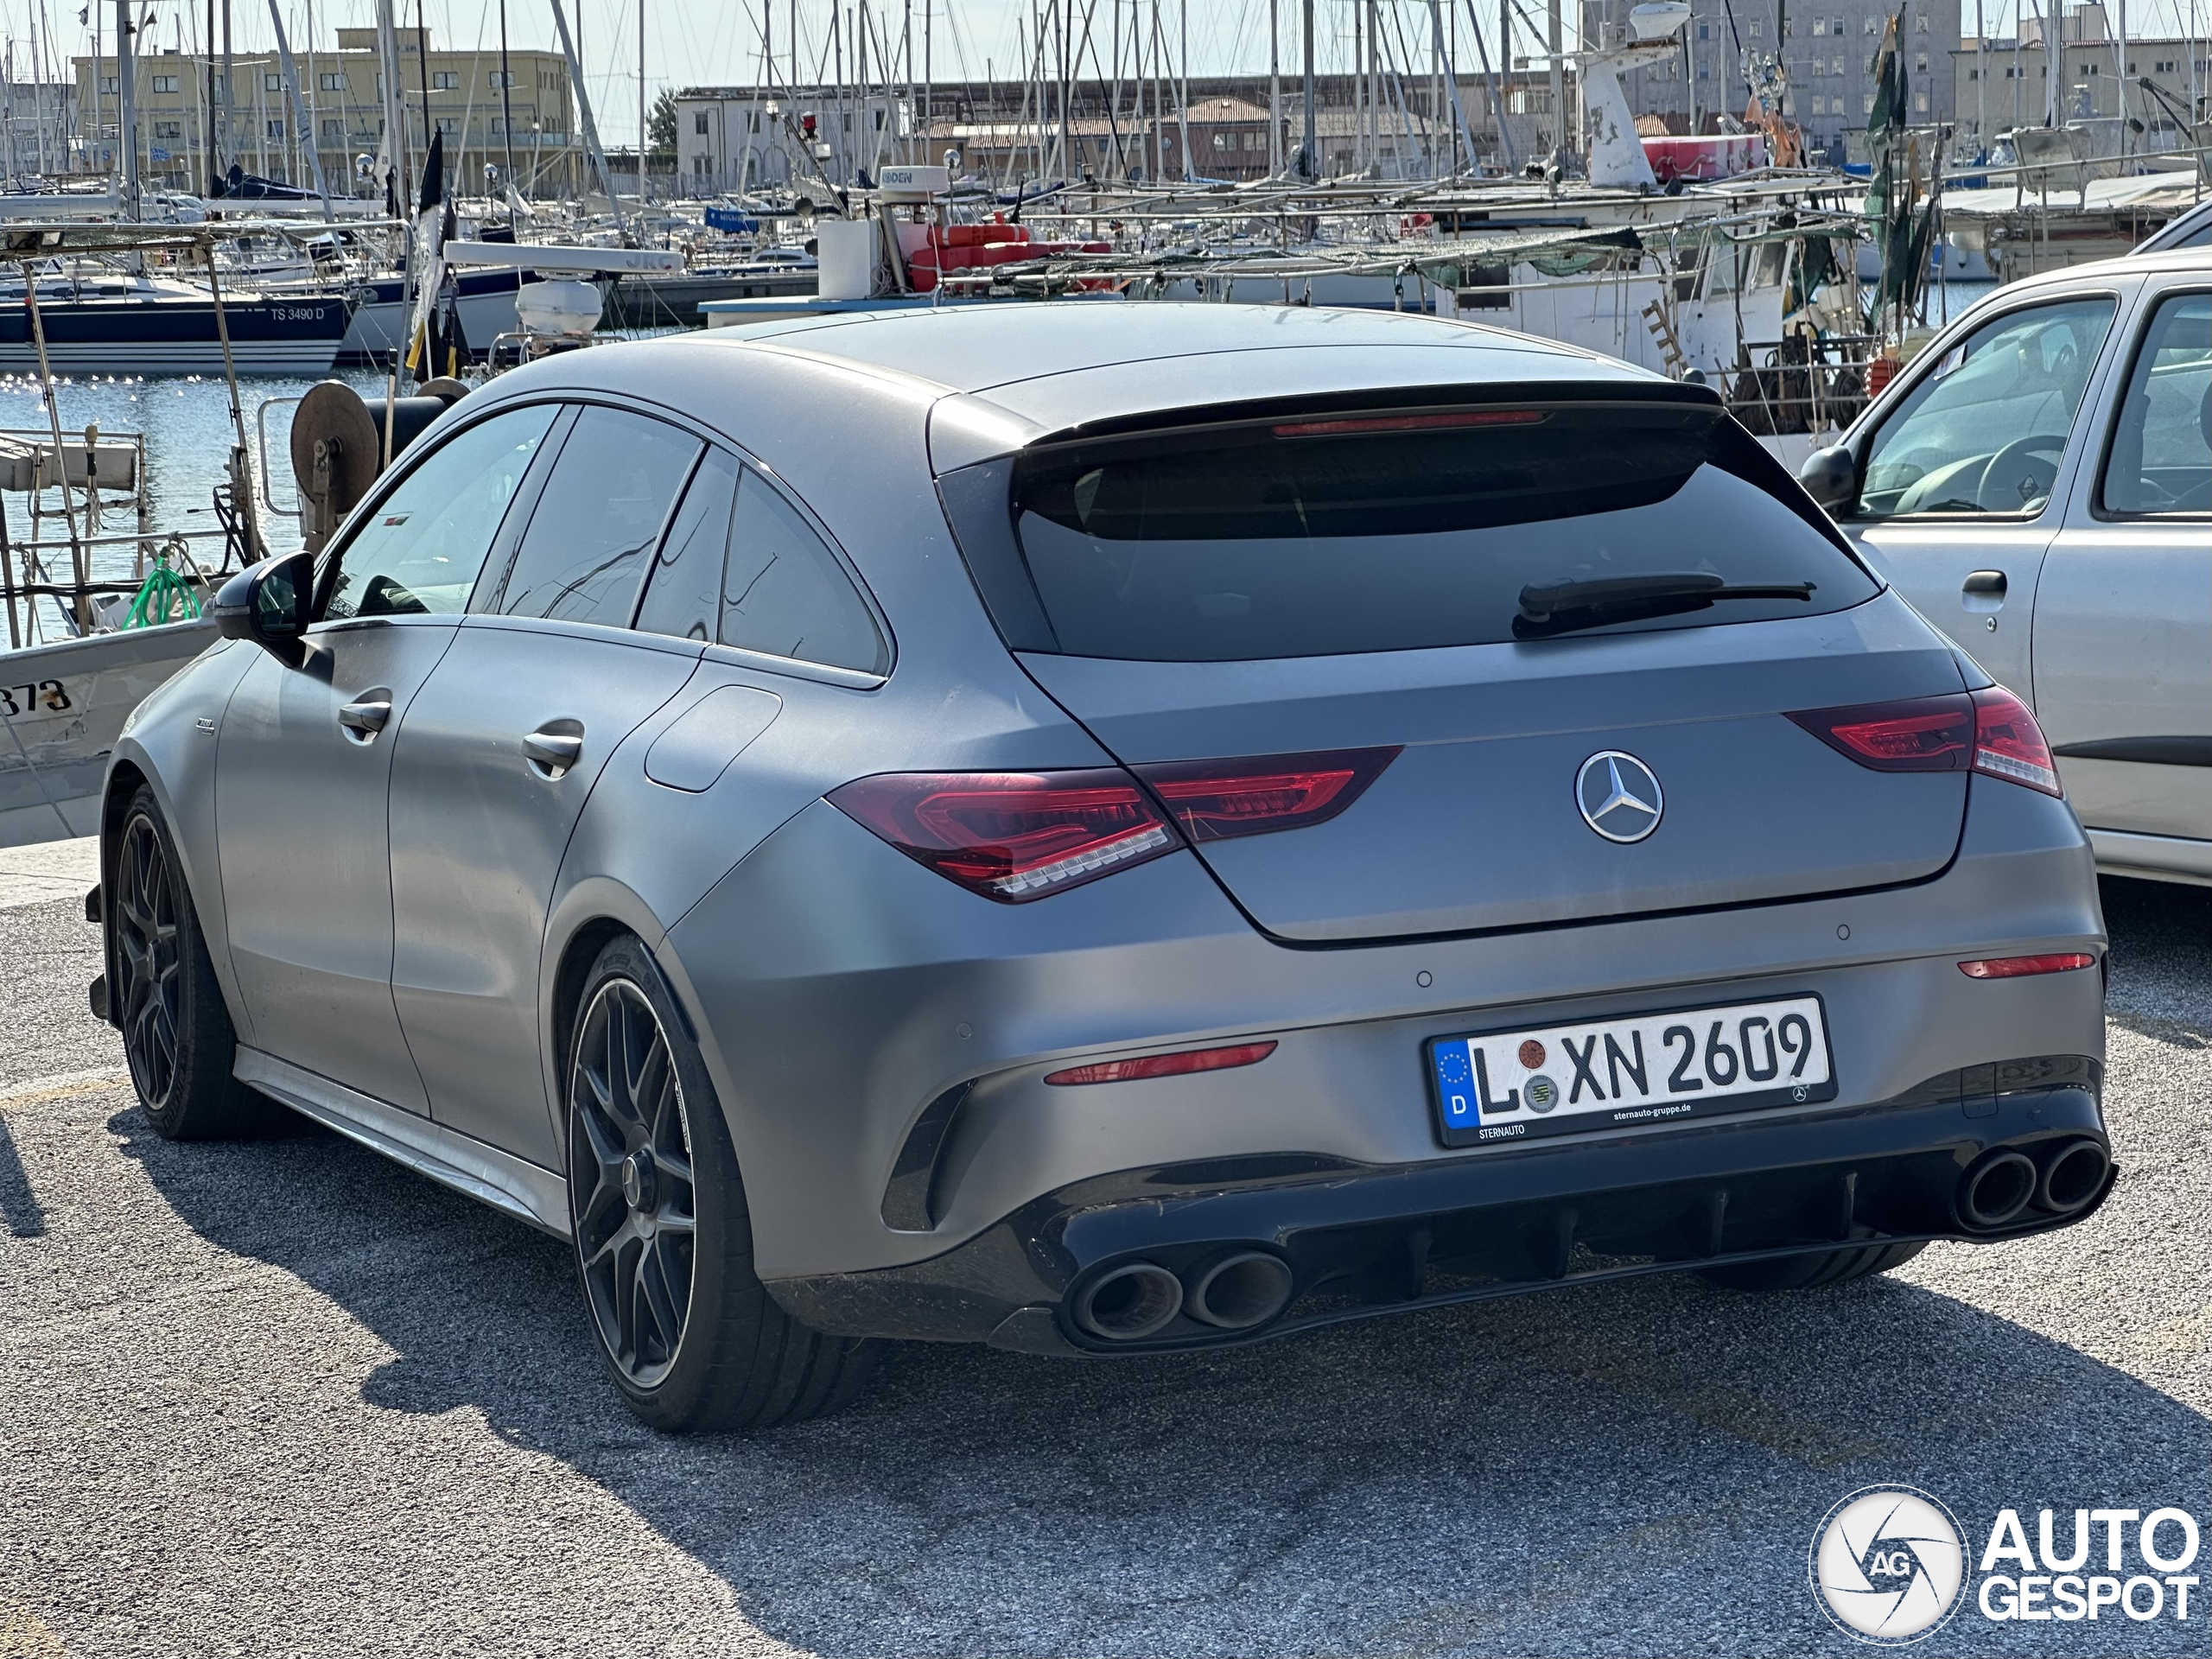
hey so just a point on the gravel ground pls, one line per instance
(284, 1397)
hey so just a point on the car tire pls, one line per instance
(1813, 1269)
(661, 1232)
(177, 1034)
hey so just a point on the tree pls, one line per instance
(660, 124)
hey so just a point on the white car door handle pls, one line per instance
(553, 753)
(366, 718)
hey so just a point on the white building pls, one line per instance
(745, 137)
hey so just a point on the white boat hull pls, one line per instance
(62, 707)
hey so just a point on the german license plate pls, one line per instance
(1643, 1070)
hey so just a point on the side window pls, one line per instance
(420, 554)
(1985, 432)
(598, 520)
(784, 592)
(2161, 455)
(683, 594)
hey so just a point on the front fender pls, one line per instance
(170, 741)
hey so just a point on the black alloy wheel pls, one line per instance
(663, 1235)
(177, 1034)
(148, 962)
(632, 1195)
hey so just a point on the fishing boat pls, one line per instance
(82, 650)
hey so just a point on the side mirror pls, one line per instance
(267, 603)
(1831, 476)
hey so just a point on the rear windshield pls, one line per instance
(1323, 535)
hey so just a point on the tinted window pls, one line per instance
(1985, 431)
(1393, 532)
(420, 554)
(599, 518)
(784, 592)
(2161, 459)
(683, 594)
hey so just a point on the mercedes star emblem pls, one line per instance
(1619, 796)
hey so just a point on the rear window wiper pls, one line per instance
(1552, 607)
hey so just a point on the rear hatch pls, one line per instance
(1483, 618)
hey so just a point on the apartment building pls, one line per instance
(1828, 46)
(746, 137)
(255, 126)
(2003, 83)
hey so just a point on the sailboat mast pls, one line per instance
(593, 149)
(230, 87)
(1556, 45)
(299, 108)
(641, 106)
(126, 80)
(1183, 95)
(214, 161)
(1275, 86)
(395, 129)
(507, 112)
(1313, 160)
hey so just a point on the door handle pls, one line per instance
(1984, 584)
(554, 751)
(365, 718)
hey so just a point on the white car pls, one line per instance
(2039, 483)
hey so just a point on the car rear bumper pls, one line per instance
(879, 1039)
(1360, 1241)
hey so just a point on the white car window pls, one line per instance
(2161, 456)
(1985, 431)
(419, 553)
(594, 530)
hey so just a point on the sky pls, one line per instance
(691, 43)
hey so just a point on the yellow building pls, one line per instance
(343, 91)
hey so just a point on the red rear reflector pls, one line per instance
(1925, 735)
(1214, 800)
(1013, 836)
(2017, 966)
(1164, 1065)
(1989, 732)
(1408, 422)
(2008, 744)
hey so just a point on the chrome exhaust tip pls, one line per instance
(1129, 1303)
(1241, 1291)
(1996, 1190)
(2071, 1177)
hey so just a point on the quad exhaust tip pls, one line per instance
(1996, 1189)
(2071, 1177)
(1130, 1302)
(1241, 1291)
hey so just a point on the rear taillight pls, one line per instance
(2008, 744)
(1989, 732)
(1926, 735)
(1013, 836)
(2019, 967)
(1164, 1065)
(1214, 800)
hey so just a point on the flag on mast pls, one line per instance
(432, 220)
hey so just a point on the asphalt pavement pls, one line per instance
(283, 1397)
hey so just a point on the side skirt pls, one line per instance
(521, 1190)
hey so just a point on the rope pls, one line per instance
(163, 597)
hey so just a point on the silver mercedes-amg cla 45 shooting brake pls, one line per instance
(1110, 829)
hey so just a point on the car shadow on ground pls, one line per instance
(1533, 1475)
(1628, 1468)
